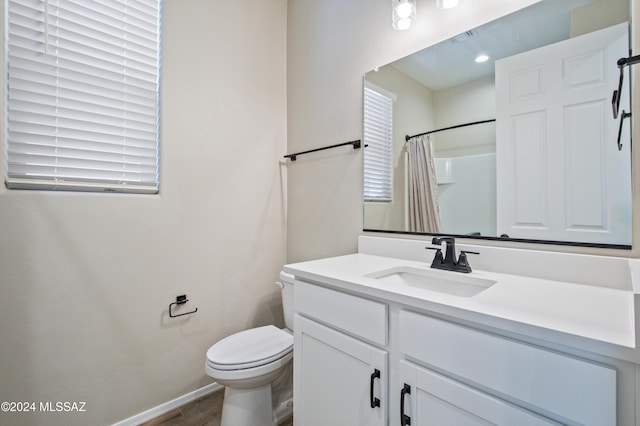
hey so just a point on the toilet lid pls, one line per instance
(250, 348)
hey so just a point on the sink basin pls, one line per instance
(454, 283)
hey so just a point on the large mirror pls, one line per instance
(522, 146)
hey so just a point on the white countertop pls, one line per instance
(588, 317)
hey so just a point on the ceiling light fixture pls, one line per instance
(404, 12)
(447, 4)
(482, 58)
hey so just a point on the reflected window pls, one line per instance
(378, 126)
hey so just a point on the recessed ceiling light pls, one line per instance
(482, 58)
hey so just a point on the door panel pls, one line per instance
(559, 172)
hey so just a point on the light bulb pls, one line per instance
(403, 13)
(402, 24)
(403, 10)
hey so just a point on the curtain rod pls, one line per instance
(407, 137)
(356, 144)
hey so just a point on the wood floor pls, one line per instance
(201, 412)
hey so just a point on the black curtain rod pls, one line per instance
(356, 144)
(407, 137)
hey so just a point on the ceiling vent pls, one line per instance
(462, 37)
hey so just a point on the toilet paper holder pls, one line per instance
(180, 300)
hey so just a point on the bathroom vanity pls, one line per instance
(527, 338)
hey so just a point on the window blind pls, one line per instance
(82, 99)
(378, 126)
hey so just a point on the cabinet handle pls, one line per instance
(404, 419)
(375, 402)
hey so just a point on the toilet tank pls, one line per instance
(286, 286)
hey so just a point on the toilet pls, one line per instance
(246, 363)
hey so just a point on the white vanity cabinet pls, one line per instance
(507, 382)
(339, 379)
(352, 350)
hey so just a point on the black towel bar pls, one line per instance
(356, 145)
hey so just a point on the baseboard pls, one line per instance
(159, 410)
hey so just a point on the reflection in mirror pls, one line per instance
(521, 146)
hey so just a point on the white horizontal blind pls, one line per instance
(378, 126)
(82, 94)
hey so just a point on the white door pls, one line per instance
(560, 175)
(430, 399)
(338, 380)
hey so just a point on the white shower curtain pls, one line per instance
(424, 210)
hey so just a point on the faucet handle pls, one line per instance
(437, 259)
(463, 263)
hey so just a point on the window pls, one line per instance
(378, 125)
(82, 104)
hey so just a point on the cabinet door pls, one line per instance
(435, 400)
(337, 378)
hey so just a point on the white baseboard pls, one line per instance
(159, 410)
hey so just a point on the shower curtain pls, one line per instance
(424, 211)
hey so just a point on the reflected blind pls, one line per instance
(378, 125)
(82, 95)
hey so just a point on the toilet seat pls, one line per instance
(250, 348)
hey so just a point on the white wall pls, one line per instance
(331, 44)
(465, 103)
(86, 279)
(598, 14)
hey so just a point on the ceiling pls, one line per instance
(451, 62)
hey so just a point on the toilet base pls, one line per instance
(247, 407)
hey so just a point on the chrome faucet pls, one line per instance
(449, 262)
